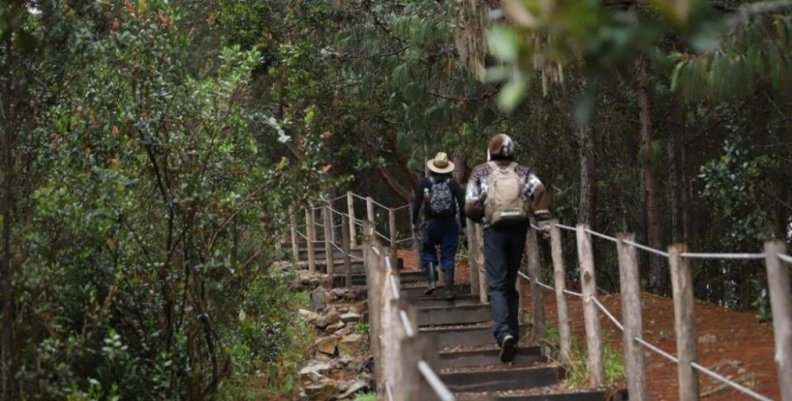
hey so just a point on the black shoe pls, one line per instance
(430, 278)
(508, 348)
(449, 285)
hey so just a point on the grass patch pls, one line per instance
(577, 369)
(367, 396)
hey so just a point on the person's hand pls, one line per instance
(543, 224)
(416, 231)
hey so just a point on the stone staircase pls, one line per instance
(468, 358)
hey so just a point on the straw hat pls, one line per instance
(440, 164)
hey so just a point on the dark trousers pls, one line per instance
(442, 231)
(503, 251)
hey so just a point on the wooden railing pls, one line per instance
(403, 357)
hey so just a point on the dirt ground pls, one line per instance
(732, 343)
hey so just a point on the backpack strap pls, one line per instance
(494, 165)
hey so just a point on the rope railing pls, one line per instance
(678, 258)
(607, 313)
(740, 256)
(730, 383)
(434, 381)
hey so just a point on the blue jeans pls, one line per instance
(503, 251)
(442, 231)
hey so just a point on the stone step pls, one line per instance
(487, 356)
(587, 395)
(413, 292)
(453, 314)
(470, 336)
(503, 379)
(436, 299)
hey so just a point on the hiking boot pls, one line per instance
(449, 285)
(508, 348)
(431, 285)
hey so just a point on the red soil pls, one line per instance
(732, 343)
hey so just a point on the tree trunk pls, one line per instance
(586, 201)
(657, 274)
(675, 183)
(6, 272)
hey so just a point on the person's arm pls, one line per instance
(460, 203)
(417, 202)
(474, 197)
(540, 201)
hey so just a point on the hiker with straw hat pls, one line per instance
(442, 201)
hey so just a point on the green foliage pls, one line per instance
(369, 396)
(362, 328)
(147, 217)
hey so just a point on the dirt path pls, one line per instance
(732, 343)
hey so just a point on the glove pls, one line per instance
(543, 223)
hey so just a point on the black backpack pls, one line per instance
(441, 200)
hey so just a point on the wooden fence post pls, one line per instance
(537, 292)
(781, 305)
(392, 233)
(346, 245)
(293, 224)
(481, 265)
(373, 288)
(559, 279)
(390, 328)
(588, 283)
(310, 232)
(631, 314)
(351, 214)
(473, 268)
(370, 210)
(328, 239)
(684, 322)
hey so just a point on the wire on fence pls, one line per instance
(396, 209)
(437, 385)
(646, 248)
(785, 258)
(405, 240)
(607, 313)
(376, 250)
(539, 283)
(351, 256)
(694, 255)
(389, 391)
(393, 287)
(409, 330)
(734, 385)
(565, 227)
(603, 236)
(573, 293)
(668, 356)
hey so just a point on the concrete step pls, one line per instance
(588, 395)
(487, 356)
(470, 336)
(414, 292)
(453, 315)
(504, 379)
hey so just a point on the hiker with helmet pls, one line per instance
(442, 201)
(499, 195)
